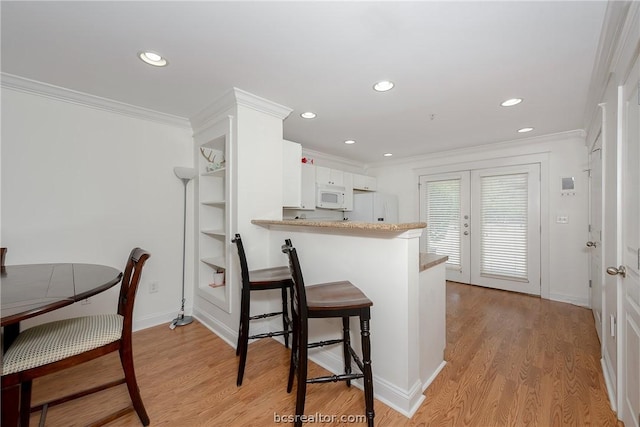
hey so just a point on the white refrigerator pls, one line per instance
(374, 207)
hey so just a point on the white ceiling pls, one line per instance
(452, 63)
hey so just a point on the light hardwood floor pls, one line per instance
(513, 360)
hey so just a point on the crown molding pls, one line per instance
(494, 146)
(330, 157)
(257, 103)
(237, 97)
(614, 30)
(33, 87)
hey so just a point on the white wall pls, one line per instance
(564, 255)
(81, 184)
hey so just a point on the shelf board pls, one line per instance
(220, 233)
(218, 262)
(214, 202)
(218, 172)
(216, 296)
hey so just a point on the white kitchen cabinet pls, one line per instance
(328, 176)
(364, 182)
(348, 191)
(291, 174)
(308, 187)
(298, 180)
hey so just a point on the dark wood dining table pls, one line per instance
(30, 290)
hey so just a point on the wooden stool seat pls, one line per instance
(335, 296)
(269, 278)
(259, 280)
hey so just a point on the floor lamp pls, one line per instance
(186, 175)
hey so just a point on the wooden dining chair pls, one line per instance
(54, 346)
(327, 300)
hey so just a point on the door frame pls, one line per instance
(598, 146)
(541, 158)
(620, 247)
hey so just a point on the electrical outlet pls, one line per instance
(154, 287)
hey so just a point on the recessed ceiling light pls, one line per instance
(308, 115)
(383, 86)
(524, 130)
(387, 154)
(511, 102)
(349, 141)
(152, 58)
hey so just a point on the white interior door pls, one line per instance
(488, 222)
(444, 206)
(629, 271)
(594, 242)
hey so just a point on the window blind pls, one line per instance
(503, 237)
(443, 219)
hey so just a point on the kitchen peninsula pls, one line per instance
(407, 289)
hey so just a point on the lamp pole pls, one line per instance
(185, 175)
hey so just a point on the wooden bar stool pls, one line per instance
(336, 299)
(259, 280)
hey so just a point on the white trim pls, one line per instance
(403, 401)
(582, 302)
(433, 376)
(317, 155)
(214, 325)
(441, 157)
(232, 98)
(33, 87)
(608, 372)
(155, 320)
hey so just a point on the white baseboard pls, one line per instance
(155, 320)
(582, 302)
(227, 334)
(433, 376)
(405, 402)
(607, 371)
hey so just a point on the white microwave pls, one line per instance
(330, 196)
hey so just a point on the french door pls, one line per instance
(487, 221)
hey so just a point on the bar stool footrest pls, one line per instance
(264, 316)
(334, 378)
(269, 335)
(323, 343)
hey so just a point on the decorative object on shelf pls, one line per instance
(307, 160)
(186, 175)
(214, 158)
(218, 278)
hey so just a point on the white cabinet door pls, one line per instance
(348, 191)
(291, 174)
(329, 176)
(364, 182)
(308, 187)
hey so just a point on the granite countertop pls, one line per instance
(350, 225)
(430, 260)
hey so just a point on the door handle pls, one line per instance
(466, 233)
(592, 244)
(622, 270)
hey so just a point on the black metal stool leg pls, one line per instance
(366, 360)
(346, 344)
